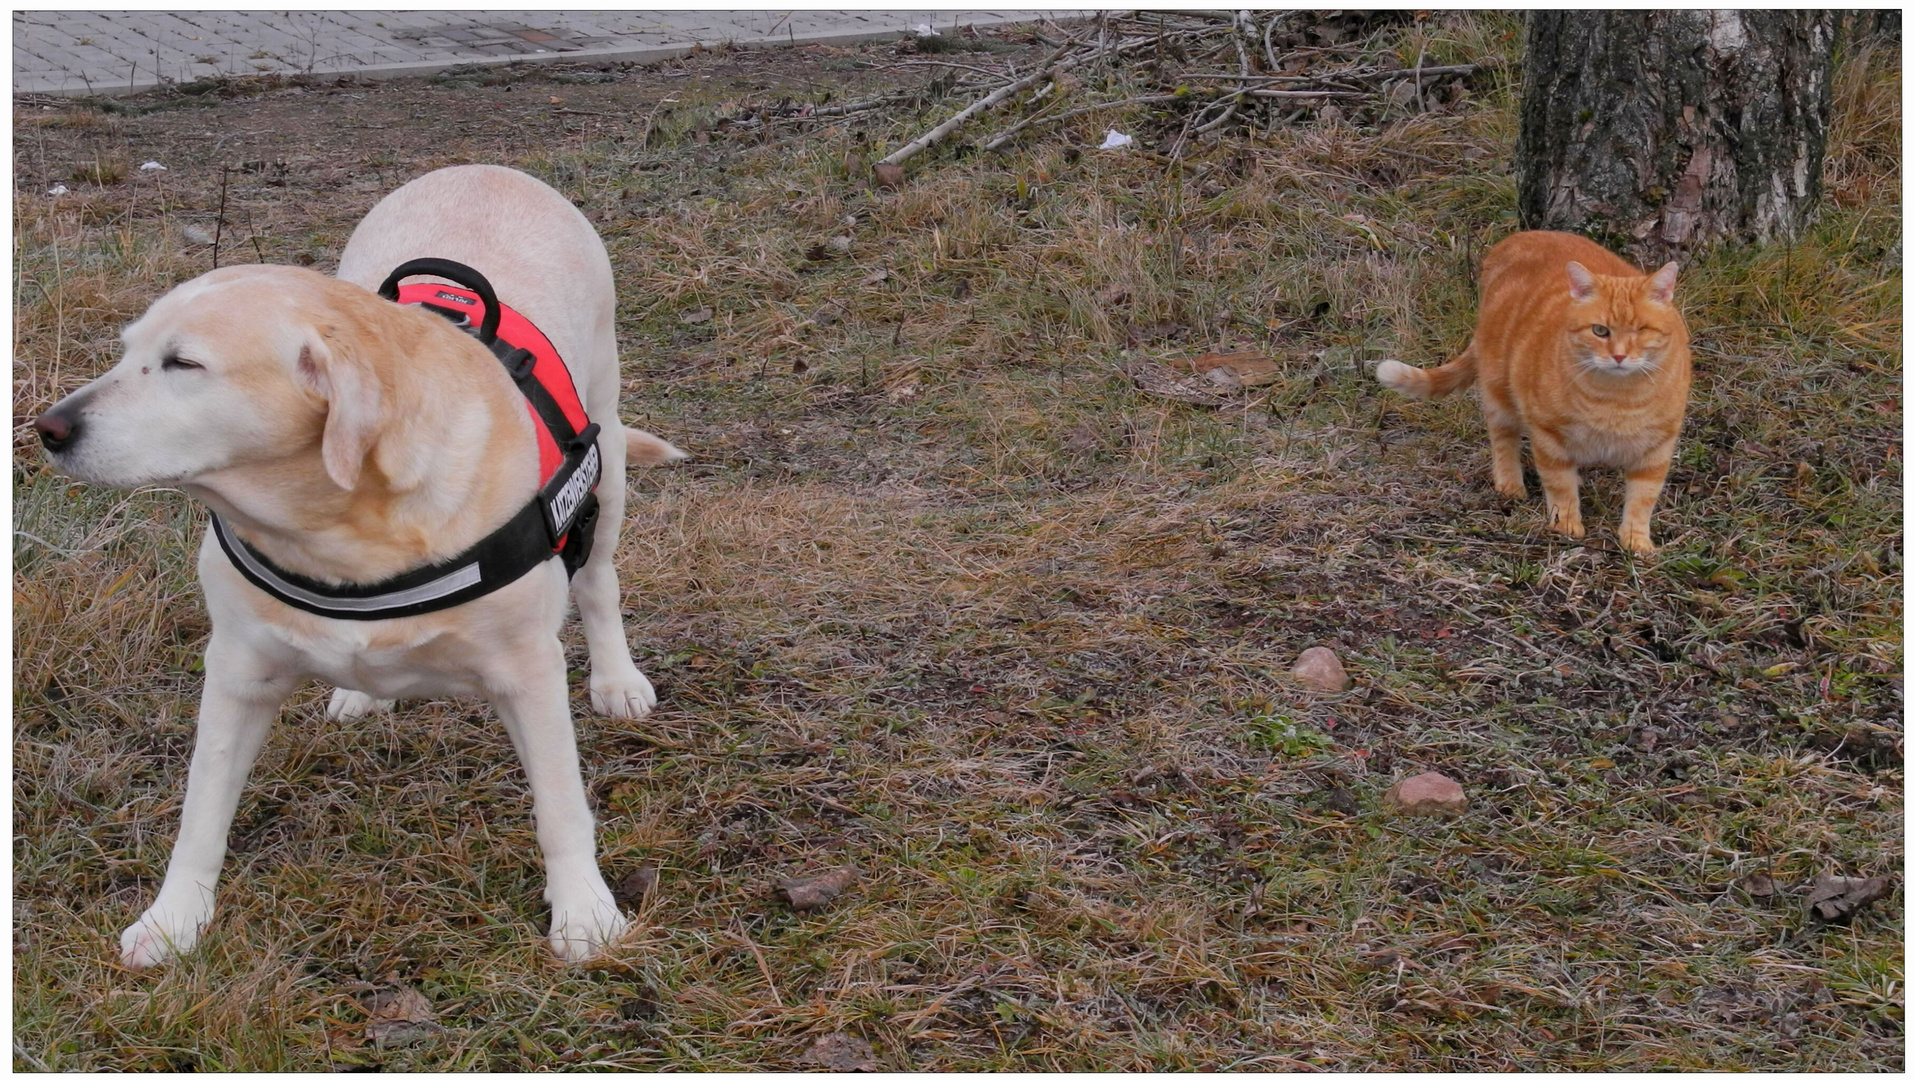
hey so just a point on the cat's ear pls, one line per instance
(1581, 283)
(1661, 287)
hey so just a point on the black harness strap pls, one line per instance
(560, 520)
(503, 557)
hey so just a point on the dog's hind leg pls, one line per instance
(532, 701)
(618, 688)
(351, 704)
(236, 709)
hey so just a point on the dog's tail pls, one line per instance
(1429, 382)
(645, 450)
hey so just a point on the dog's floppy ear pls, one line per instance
(353, 407)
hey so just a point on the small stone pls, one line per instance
(1321, 670)
(1429, 794)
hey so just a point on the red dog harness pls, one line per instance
(559, 520)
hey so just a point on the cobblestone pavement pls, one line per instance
(113, 52)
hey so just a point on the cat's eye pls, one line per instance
(175, 363)
(1598, 330)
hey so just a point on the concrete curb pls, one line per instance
(614, 54)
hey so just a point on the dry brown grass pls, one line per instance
(945, 597)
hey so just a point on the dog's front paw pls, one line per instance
(162, 933)
(627, 696)
(351, 704)
(583, 926)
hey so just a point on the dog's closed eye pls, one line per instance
(177, 363)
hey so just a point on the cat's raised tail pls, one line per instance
(1428, 382)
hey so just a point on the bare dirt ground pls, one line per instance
(945, 596)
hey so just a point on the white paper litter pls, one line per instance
(1115, 140)
(924, 30)
(152, 166)
(57, 189)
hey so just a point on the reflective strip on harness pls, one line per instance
(259, 570)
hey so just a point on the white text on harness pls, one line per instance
(564, 503)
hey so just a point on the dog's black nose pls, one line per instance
(56, 431)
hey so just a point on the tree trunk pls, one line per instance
(1661, 132)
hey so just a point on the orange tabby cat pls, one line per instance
(1585, 354)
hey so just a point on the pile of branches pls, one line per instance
(1206, 72)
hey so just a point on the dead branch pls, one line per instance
(999, 140)
(930, 138)
(1168, 43)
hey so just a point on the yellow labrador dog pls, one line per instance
(349, 440)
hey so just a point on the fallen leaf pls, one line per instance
(558, 101)
(888, 176)
(636, 886)
(692, 318)
(876, 277)
(1835, 899)
(399, 1016)
(1758, 885)
(1156, 380)
(841, 1053)
(1086, 437)
(1340, 801)
(809, 894)
(1248, 368)
(1112, 295)
(1417, 887)
(642, 1005)
(903, 389)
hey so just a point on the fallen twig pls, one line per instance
(934, 135)
(1001, 138)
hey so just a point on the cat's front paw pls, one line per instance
(1637, 541)
(1569, 524)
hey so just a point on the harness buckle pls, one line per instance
(578, 538)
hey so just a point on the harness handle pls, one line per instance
(459, 273)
